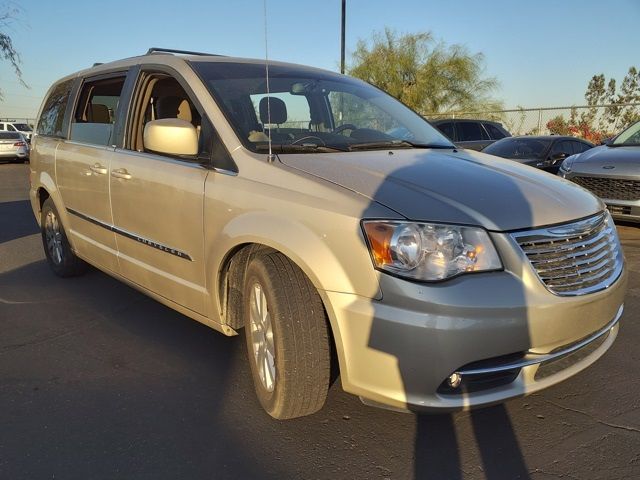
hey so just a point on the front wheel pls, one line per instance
(57, 249)
(287, 337)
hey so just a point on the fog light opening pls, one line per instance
(454, 380)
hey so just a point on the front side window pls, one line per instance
(312, 110)
(11, 128)
(52, 116)
(22, 127)
(562, 148)
(160, 96)
(95, 114)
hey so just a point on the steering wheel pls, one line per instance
(345, 126)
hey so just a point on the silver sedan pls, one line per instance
(13, 147)
(612, 172)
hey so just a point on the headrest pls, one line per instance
(173, 107)
(278, 110)
(99, 113)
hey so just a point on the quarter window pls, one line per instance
(52, 116)
(494, 132)
(95, 113)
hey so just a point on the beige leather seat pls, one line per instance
(99, 113)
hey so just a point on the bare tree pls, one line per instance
(8, 14)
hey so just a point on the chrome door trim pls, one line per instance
(132, 236)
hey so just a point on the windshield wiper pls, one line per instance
(298, 148)
(396, 144)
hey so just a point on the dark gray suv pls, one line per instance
(472, 134)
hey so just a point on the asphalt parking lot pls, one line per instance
(99, 381)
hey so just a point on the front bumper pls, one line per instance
(399, 351)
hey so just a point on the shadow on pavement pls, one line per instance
(16, 220)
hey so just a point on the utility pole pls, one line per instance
(344, 15)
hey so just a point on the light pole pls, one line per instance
(344, 15)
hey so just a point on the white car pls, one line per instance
(22, 128)
(13, 147)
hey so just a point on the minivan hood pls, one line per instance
(453, 186)
(624, 160)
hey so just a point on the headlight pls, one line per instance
(565, 166)
(429, 251)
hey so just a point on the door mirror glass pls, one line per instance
(171, 136)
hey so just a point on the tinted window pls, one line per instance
(52, 116)
(10, 128)
(96, 111)
(494, 132)
(518, 147)
(579, 147)
(23, 127)
(470, 131)
(447, 129)
(9, 136)
(563, 147)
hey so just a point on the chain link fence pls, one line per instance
(591, 122)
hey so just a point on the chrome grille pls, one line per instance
(610, 188)
(575, 258)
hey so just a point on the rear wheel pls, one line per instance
(287, 337)
(57, 249)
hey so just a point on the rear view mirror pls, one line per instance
(171, 136)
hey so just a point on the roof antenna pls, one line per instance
(271, 156)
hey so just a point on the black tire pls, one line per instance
(300, 337)
(64, 262)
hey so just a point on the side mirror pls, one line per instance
(171, 136)
(606, 141)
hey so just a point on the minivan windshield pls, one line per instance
(630, 136)
(309, 110)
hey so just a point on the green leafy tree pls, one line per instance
(7, 50)
(618, 115)
(428, 76)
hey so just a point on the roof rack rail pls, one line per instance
(183, 52)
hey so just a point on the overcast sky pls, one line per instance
(543, 52)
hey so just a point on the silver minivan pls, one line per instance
(434, 279)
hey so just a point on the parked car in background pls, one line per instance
(472, 134)
(23, 128)
(13, 147)
(544, 152)
(612, 172)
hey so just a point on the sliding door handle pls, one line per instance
(121, 173)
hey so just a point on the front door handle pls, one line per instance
(97, 168)
(121, 173)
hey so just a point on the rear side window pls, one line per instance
(52, 116)
(95, 113)
(494, 132)
(470, 131)
(447, 129)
